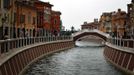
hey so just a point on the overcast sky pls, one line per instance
(75, 12)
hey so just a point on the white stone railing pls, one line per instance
(127, 43)
(10, 44)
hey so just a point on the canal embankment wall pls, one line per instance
(121, 57)
(16, 62)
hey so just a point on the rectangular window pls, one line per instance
(34, 20)
(55, 21)
(6, 3)
(15, 17)
(29, 18)
(22, 19)
(6, 30)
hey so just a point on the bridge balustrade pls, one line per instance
(10, 44)
(129, 43)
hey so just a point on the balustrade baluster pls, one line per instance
(120, 42)
(127, 43)
(8, 45)
(133, 43)
(123, 43)
(0, 48)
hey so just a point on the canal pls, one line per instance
(85, 59)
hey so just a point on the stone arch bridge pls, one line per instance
(86, 32)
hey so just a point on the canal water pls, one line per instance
(85, 59)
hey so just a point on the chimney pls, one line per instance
(85, 23)
(119, 10)
(95, 20)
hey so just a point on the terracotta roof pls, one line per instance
(91, 23)
(25, 4)
(44, 3)
(56, 12)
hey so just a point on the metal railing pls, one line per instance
(10, 44)
(129, 43)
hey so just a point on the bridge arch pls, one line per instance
(90, 37)
(83, 33)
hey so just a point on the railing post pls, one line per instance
(18, 43)
(8, 45)
(5, 47)
(41, 39)
(133, 43)
(34, 40)
(127, 43)
(123, 43)
(21, 42)
(30, 41)
(38, 39)
(52, 38)
(114, 41)
(120, 42)
(117, 42)
(26, 41)
(0, 48)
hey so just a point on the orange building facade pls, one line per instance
(25, 18)
(36, 17)
(28, 18)
(40, 13)
(47, 17)
(105, 22)
(113, 23)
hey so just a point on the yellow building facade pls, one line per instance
(113, 23)
(16, 15)
(119, 23)
(105, 22)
